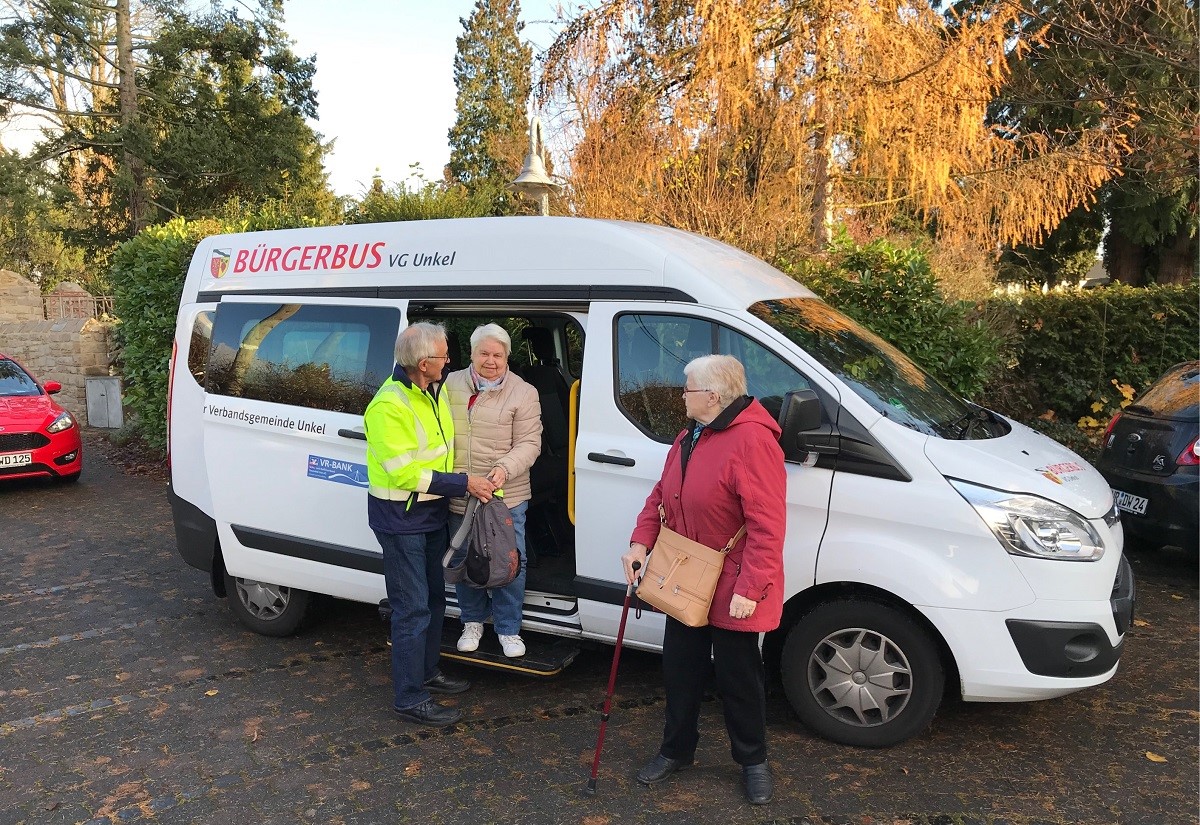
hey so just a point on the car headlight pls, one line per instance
(1028, 525)
(63, 422)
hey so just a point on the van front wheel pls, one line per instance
(270, 609)
(862, 673)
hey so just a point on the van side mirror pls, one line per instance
(799, 413)
(52, 387)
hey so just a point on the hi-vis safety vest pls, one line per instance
(407, 440)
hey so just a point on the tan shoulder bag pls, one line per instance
(681, 574)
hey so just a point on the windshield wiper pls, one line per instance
(961, 426)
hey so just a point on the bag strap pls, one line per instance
(736, 538)
(662, 519)
(460, 536)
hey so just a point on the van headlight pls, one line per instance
(62, 422)
(1027, 525)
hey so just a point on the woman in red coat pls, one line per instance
(723, 471)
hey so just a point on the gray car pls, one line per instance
(1152, 463)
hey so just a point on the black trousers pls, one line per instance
(689, 655)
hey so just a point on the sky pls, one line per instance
(385, 80)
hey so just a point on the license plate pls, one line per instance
(1130, 503)
(15, 459)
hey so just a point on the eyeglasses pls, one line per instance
(686, 390)
(438, 357)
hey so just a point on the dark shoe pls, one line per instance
(659, 768)
(430, 713)
(757, 779)
(446, 684)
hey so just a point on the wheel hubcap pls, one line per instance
(860, 677)
(262, 600)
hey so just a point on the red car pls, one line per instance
(37, 436)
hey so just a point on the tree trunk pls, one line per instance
(822, 164)
(139, 202)
(1124, 259)
(1177, 257)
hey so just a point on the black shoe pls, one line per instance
(446, 684)
(757, 780)
(659, 768)
(430, 713)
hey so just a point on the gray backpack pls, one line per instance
(491, 558)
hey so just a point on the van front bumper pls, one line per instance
(1021, 655)
(1074, 649)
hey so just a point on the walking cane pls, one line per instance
(590, 790)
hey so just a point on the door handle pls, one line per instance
(345, 433)
(605, 458)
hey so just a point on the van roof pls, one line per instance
(526, 255)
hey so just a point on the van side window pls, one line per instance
(200, 344)
(323, 357)
(652, 351)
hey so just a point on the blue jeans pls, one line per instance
(416, 590)
(506, 602)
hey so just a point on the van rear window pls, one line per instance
(317, 356)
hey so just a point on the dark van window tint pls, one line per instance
(201, 343)
(323, 357)
(652, 351)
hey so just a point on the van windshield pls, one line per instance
(876, 371)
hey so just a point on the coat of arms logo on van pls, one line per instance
(219, 262)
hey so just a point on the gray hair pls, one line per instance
(723, 374)
(417, 341)
(496, 333)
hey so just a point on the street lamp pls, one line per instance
(533, 182)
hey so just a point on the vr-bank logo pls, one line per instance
(343, 472)
(219, 263)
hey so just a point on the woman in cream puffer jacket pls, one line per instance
(497, 433)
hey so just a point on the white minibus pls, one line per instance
(932, 544)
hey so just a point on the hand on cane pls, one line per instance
(637, 554)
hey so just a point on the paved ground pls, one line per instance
(129, 693)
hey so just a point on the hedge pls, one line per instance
(1078, 357)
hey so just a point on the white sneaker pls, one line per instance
(513, 646)
(468, 642)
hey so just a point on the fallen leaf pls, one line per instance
(213, 692)
(1177, 597)
(360, 785)
(1154, 757)
(412, 768)
(1141, 623)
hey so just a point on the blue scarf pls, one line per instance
(482, 384)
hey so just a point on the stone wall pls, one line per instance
(20, 299)
(68, 351)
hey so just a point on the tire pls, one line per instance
(269, 609)
(828, 661)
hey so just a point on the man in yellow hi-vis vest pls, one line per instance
(410, 459)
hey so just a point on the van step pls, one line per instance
(544, 655)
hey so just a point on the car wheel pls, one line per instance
(862, 673)
(270, 609)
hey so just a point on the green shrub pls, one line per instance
(892, 291)
(147, 275)
(1079, 356)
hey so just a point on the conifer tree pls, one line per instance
(492, 72)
